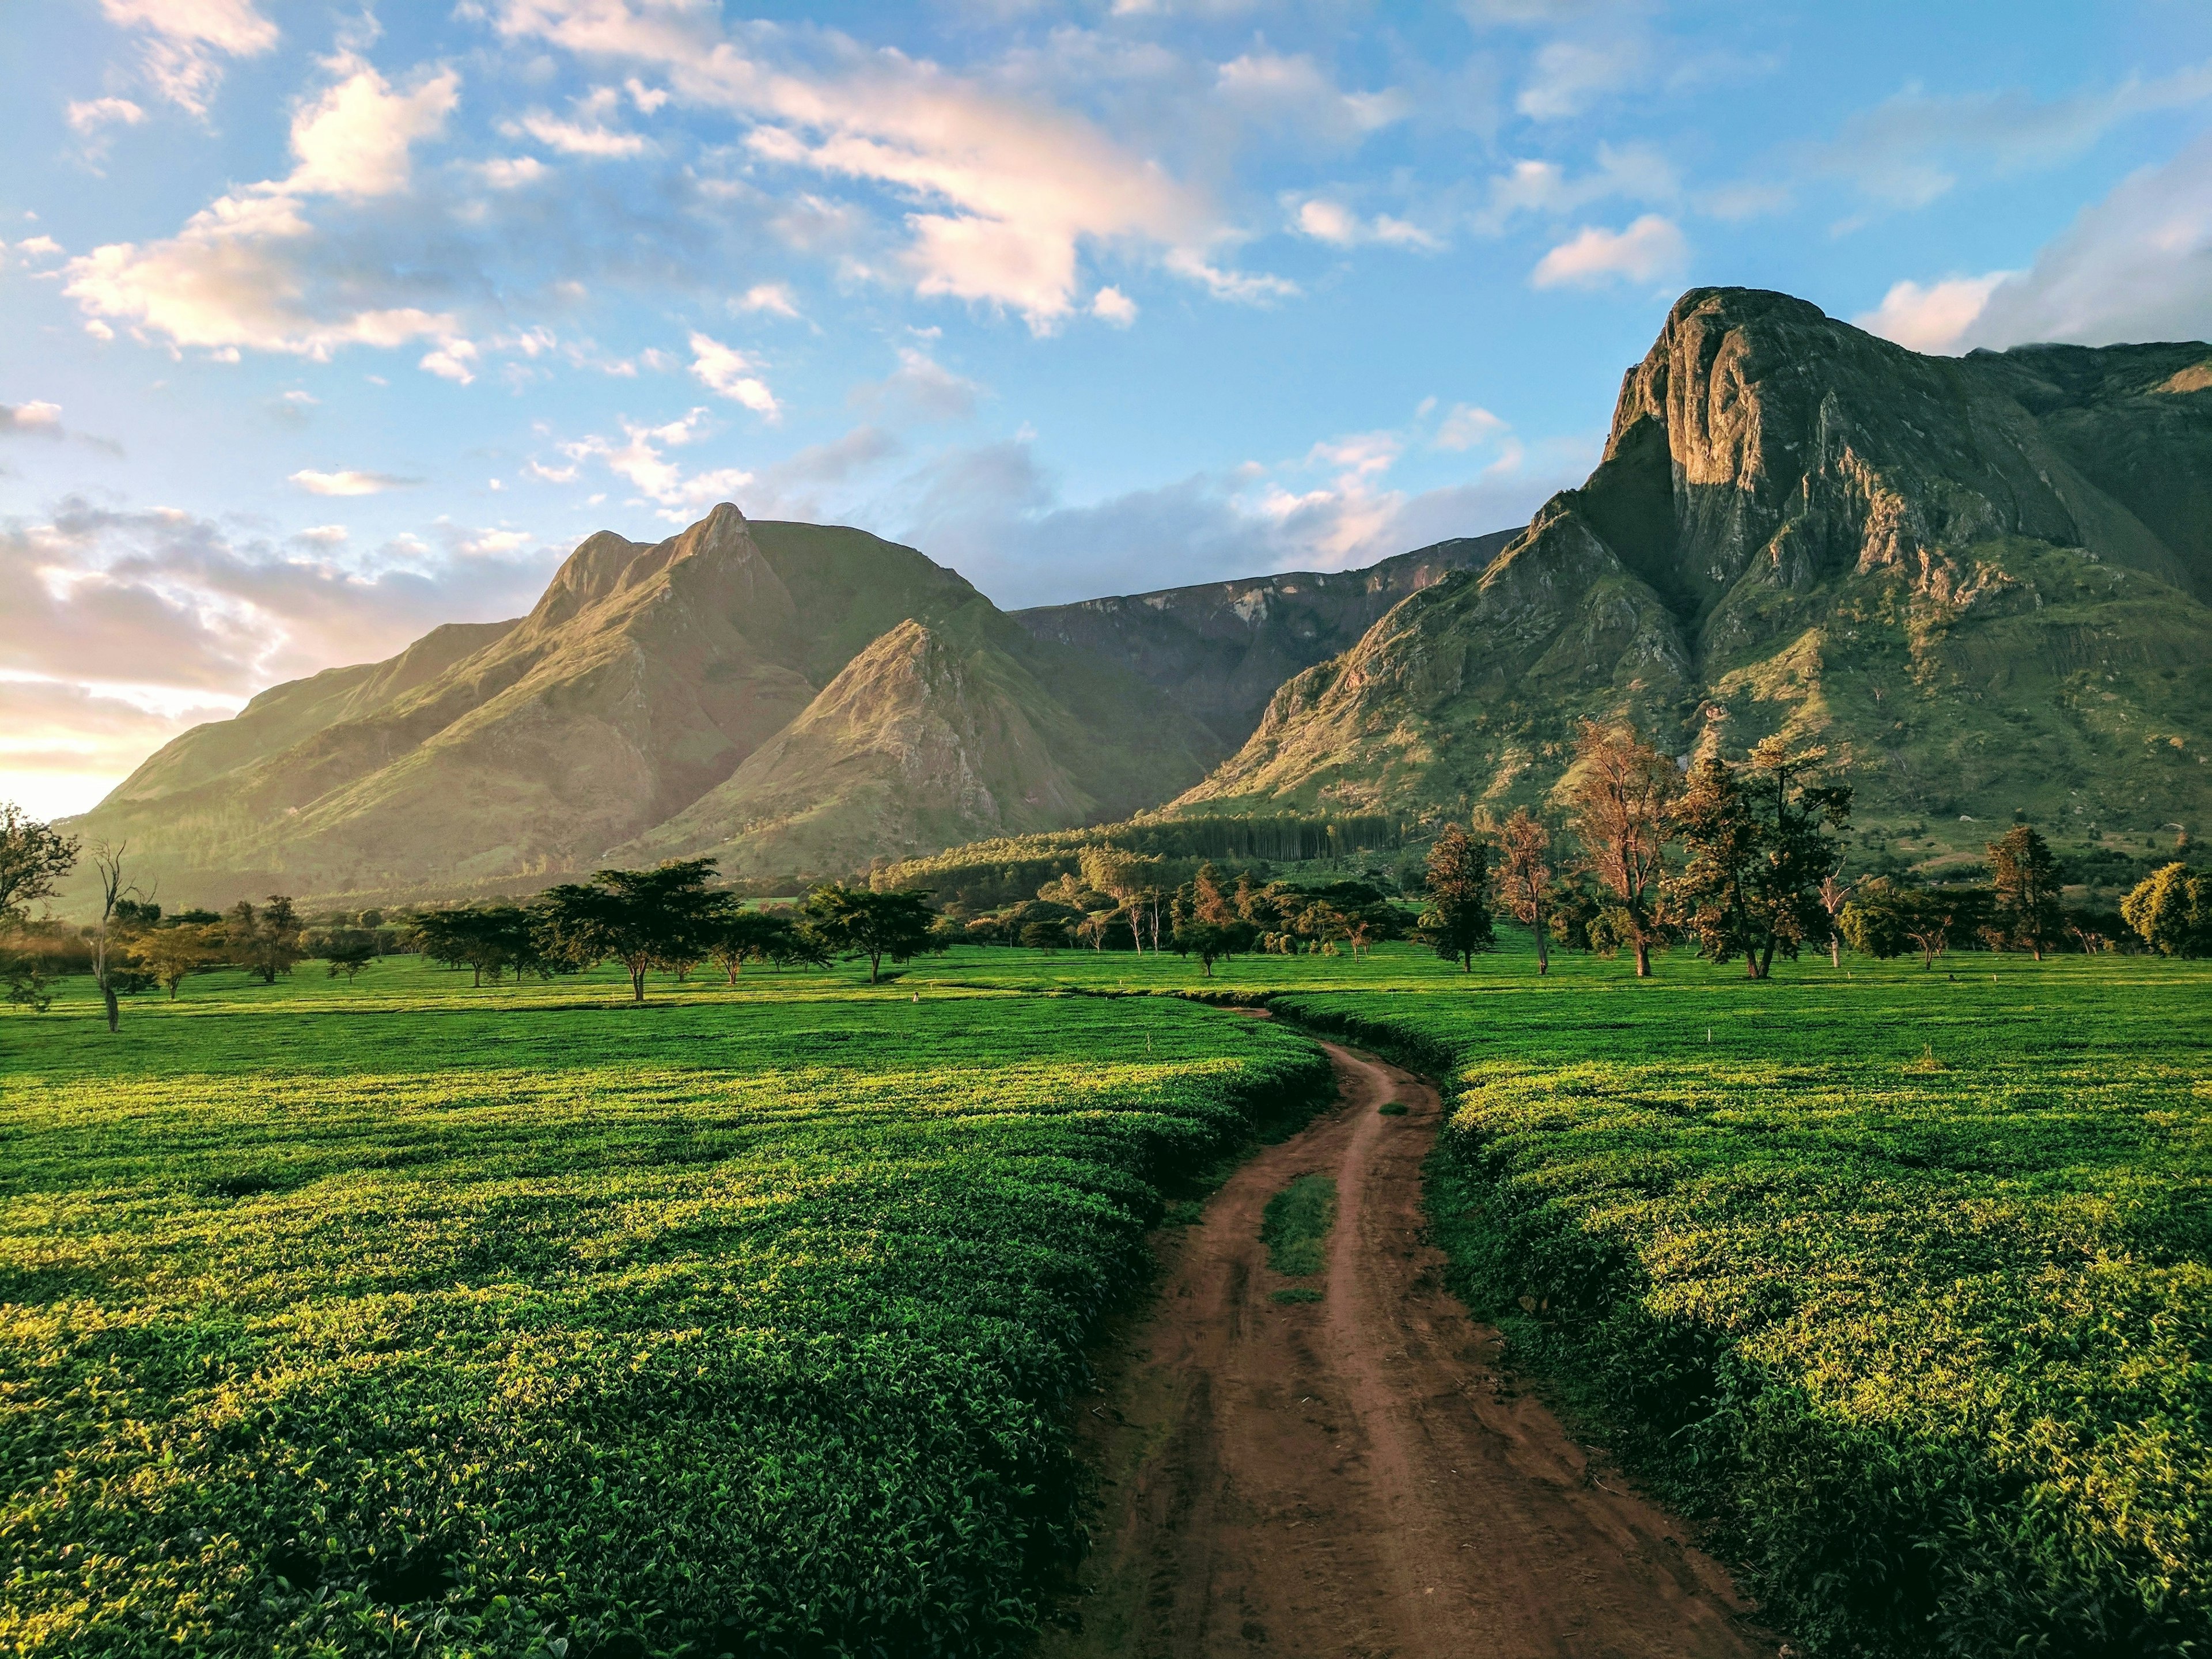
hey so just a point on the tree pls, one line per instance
(1757, 855)
(33, 857)
(1884, 918)
(175, 953)
(106, 949)
(738, 936)
(1130, 882)
(1835, 893)
(1209, 941)
(1208, 903)
(1620, 789)
(348, 950)
(1524, 879)
(858, 922)
(2029, 903)
(265, 941)
(2172, 910)
(1456, 923)
(639, 918)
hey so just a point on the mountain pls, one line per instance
(1220, 650)
(1981, 583)
(919, 742)
(641, 682)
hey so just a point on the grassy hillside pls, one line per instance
(403, 1318)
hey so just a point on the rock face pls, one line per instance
(1981, 582)
(1218, 651)
(643, 679)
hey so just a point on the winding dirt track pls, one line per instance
(1354, 1477)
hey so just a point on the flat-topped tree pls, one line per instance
(855, 922)
(642, 919)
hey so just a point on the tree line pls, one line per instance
(668, 919)
(1744, 860)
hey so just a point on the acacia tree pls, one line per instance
(2030, 910)
(1524, 878)
(265, 941)
(739, 936)
(1456, 923)
(859, 922)
(639, 918)
(1758, 852)
(33, 857)
(175, 953)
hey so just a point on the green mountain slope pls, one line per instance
(642, 680)
(1219, 650)
(1981, 582)
(920, 741)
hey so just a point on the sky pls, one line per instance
(323, 324)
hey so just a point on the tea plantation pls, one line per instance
(406, 1317)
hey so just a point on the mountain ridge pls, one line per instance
(1798, 527)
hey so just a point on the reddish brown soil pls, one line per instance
(1355, 1476)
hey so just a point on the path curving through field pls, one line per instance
(1353, 1478)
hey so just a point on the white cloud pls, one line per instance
(323, 535)
(357, 139)
(511, 172)
(1651, 248)
(1110, 305)
(726, 370)
(1934, 318)
(494, 544)
(454, 359)
(772, 297)
(2135, 266)
(35, 420)
(639, 457)
(240, 272)
(1468, 427)
(1004, 190)
(577, 138)
(1331, 222)
(95, 113)
(349, 482)
(184, 36)
(1635, 173)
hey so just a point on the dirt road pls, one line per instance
(1352, 1477)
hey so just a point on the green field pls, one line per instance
(408, 1318)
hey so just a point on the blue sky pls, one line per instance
(325, 324)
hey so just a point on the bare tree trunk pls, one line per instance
(1643, 958)
(107, 995)
(1543, 946)
(1835, 951)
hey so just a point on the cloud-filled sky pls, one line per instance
(329, 322)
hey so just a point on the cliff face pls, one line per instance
(1981, 582)
(1218, 651)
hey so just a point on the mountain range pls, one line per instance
(1983, 584)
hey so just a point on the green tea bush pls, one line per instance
(1930, 1343)
(514, 1322)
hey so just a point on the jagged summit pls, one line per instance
(1980, 581)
